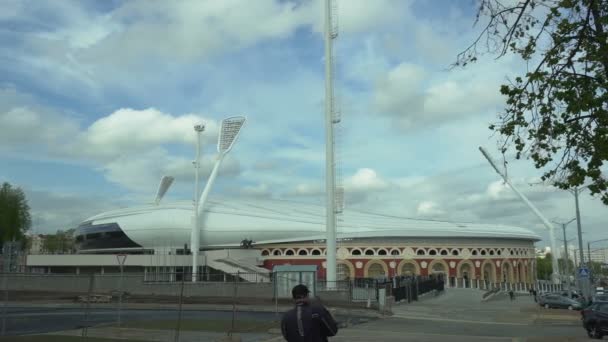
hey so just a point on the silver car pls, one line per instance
(559, 301)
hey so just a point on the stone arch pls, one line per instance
(405, 262)
(455, 252)
(349, 266)
(488, 271)
(420, 251)
(316, 252)
(265, 252)
(302, 252)
(356, 251)
(470, 272)
(432, 251)
(395, 251)
(290, 252)
(444, 252)
(506, 270)
(277, 252)
(370, 264)
(521, 268)
(432, 269)
(382, 251)
(475, 252)
(369, 251)
(483, 252)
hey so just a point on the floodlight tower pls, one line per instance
(548, 225)
(195, 235)
(229, 132)
(330, 171)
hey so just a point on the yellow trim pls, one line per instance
(473, 274)
(492, 270)
(408, 261)
(369, 263)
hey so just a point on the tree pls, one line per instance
(544, 269)
(557, 113)
(59, 243)
(15, 217)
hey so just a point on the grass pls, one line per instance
(241, 326)
(59, 338)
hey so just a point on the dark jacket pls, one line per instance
(308, 323)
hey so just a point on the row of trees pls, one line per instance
(15, 221)
(62, 242)
(544, 268)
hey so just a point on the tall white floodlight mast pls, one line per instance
(195, 235)
(330, 173)
(229, 132)
(548, 225)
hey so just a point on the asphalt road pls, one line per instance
(22, 321)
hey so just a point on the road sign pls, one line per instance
(121, 258)
(583, 272)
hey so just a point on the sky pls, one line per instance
(98, 100)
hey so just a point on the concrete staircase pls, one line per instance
(244, 262)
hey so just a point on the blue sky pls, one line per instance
(98, 99)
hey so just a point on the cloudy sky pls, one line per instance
(98, 100)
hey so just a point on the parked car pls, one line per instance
(553, 300)
(573, 294)
(600, 298)
(595, 319)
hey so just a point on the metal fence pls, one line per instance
(169, 305)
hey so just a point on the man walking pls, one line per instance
(307, 322)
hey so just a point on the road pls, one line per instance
(460, 315)
(34, 320)
(457, 315)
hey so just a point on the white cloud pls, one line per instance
(364, 180)
(429, 208)
(130, 129)
(309, 189)
(261, 190)
(413, 96)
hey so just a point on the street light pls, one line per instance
(564, 224)
(575, 192)
(229, 132)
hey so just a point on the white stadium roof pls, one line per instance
(227, 221)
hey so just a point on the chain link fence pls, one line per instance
(169, 306)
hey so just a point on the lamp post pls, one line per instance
(229, 132)
(566, 256)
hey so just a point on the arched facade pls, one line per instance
(466, 268)
(408, 267)
(345, 270)
(488, 271)
(461, 264)
(506, 269)
(374, 267)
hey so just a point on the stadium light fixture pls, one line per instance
(546, 223)
(164, 185)
(229, 132)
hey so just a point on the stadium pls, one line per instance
(257, 235)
